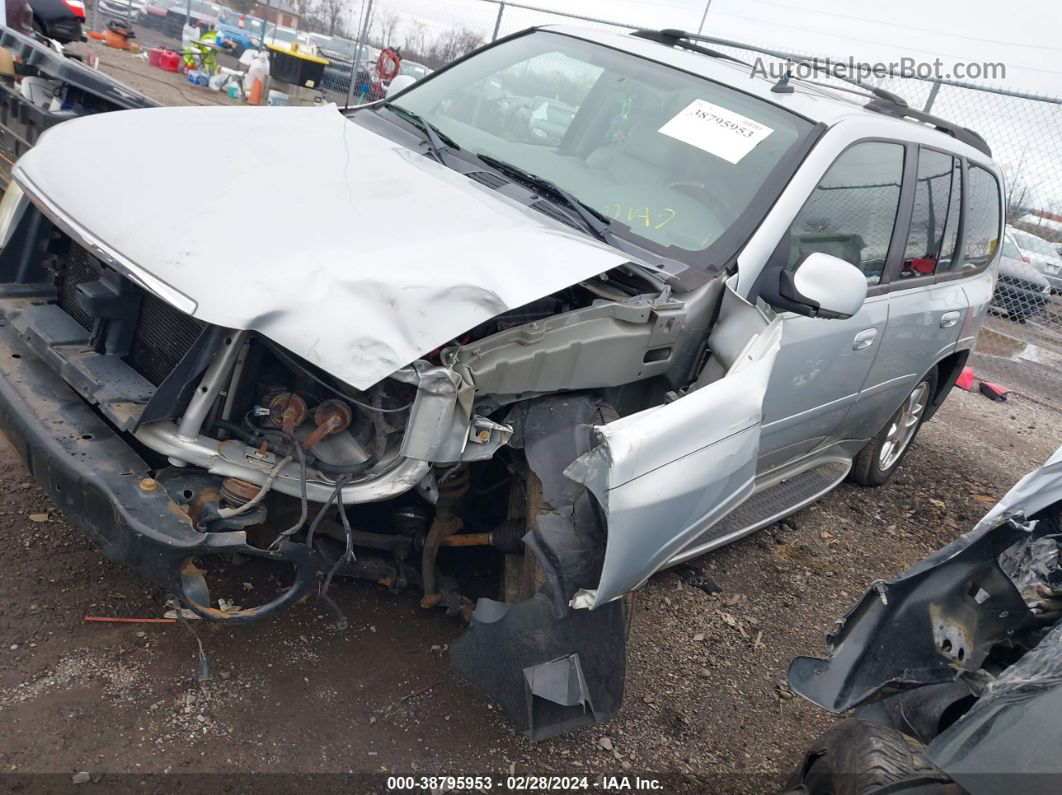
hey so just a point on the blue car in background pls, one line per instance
(247, 37)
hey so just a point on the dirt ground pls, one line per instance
(703, 709)
(294, 695)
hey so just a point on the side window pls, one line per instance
(852, 212)
(935, 217)
(981, 238)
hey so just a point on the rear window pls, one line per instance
(983, 213)
(935, 215)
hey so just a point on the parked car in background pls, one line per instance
(243, 30)
(415, 70)
(953, 668)
(59, 19)
(1042, 254)
(289, 39)
(549, 120)
(522, 378)
(341, 53)
(154, 14)
(1021, 291)
(19, 15)
(130, 10)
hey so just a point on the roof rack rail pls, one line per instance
(680, 38)
(676, 38)
(883, 101)
(956, 131)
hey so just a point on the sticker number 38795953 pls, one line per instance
(716, 130)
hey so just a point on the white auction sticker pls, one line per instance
(716, 130)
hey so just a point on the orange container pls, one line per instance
(256, 92)
(117, 41)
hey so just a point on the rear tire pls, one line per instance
(857, 757)
(881, 457)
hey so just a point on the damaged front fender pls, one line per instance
(666, 475)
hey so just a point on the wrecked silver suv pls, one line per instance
(697, 305)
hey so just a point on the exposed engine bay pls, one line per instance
(387, 483)
(375, 481)
(525, 474)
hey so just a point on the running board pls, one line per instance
(768, 506)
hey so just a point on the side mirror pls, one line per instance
(398, 83)
(821, 286)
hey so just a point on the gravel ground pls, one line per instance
(294, 695)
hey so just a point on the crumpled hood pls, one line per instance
(349, 250)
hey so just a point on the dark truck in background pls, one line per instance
(47, 88)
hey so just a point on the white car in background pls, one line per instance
(1042, 255)
(286, 37)
(123, 9)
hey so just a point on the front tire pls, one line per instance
(881, 457)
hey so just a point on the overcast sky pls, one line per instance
(1025, 36)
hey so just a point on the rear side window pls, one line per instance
(852, 212)
(982, 235)
(935, 216)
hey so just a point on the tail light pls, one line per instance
(77, 6)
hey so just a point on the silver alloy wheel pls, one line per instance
(903, 427)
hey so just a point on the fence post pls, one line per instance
(932, 96)
(497, 22)
(704, 17)
(363, 35)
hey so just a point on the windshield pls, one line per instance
(344, 47)
(674, 159)
(281, 35)
(1035, 244)
(1010, 249)
(251, 24)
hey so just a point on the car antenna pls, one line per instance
(783, 86)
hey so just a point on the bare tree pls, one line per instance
(331, 12)
(413, 44)
(1017, 189)
(389, 21)
(304, 8)
(451, 45)
(242, 6)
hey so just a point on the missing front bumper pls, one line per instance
(96, 480)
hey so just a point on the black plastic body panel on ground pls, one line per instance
(89, 91)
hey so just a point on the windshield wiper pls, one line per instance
(439, 144)
(598, 225)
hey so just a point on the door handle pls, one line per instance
(949, 319)
(864, 339)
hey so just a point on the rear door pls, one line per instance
(929, 308)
